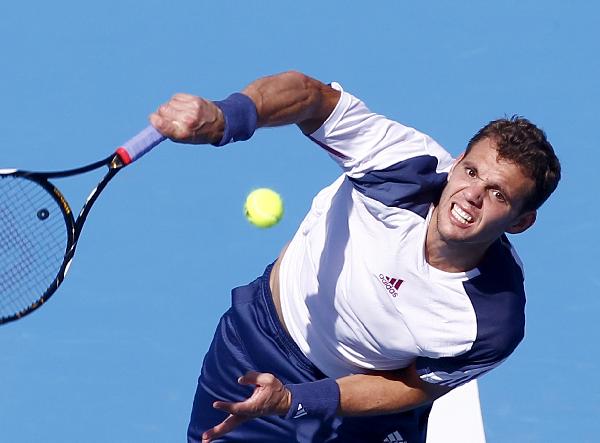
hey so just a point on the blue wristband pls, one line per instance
(241, 118)
(315, 399)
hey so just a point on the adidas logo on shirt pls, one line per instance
(391, 284)
(300, 412)
(394, 437)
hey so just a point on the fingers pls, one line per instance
(227, 425)
(268, 398)
(237, 408)
(177, 117)
(258, 378)
(250, 408)
(189, 119)
(169, 128)
(182, 97)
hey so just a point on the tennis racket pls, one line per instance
(38, 233)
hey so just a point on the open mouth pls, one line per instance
(460, 215)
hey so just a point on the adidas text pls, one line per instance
(390, 284)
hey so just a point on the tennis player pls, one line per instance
(399, 285)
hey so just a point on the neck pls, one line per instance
(450, 256)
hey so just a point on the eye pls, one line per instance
(471, 172)
(498, 195)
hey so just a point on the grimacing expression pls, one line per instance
(484, 198)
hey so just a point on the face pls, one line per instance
(483, 199)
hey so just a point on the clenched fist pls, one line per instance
(189, 119)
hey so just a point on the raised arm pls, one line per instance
(283, 99)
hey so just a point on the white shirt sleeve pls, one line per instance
(361, 141)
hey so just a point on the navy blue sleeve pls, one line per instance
(411, 184)
(498, 298)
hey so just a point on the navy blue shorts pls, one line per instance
(250, 337)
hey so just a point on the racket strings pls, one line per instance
(33, 242)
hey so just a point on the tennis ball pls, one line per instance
(263, 207)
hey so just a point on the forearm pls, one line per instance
(292, 98)
(385, 393)
(361, 395)
(288, 98)
(376, 393)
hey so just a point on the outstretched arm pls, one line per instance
(283, 99)
(360, 395)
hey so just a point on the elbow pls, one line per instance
(312, 89)
(317, 100)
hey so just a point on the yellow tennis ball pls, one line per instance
(263, 208)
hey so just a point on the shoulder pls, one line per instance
(498, 298)
(362, 140)
(412, 184)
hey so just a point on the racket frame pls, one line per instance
(73, 226)
(133, 149)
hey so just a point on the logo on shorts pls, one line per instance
(391, 284)
(394, 437)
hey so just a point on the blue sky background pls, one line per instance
(115, 354)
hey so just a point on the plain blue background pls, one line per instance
(115, 355)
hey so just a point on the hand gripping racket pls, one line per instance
(38, 233)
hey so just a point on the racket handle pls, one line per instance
(140, 144)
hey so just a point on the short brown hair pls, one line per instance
(521, 142)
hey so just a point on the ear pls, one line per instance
(522, 223)
(456, 162)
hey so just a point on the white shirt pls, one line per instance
(356, 291)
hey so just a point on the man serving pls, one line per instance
(398, 286)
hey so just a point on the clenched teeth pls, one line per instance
(460, 215)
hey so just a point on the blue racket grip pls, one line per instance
(140, 144)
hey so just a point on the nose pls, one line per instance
(474, 194)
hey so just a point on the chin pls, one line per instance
(450, 233)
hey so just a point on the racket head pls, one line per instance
(37, 235)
